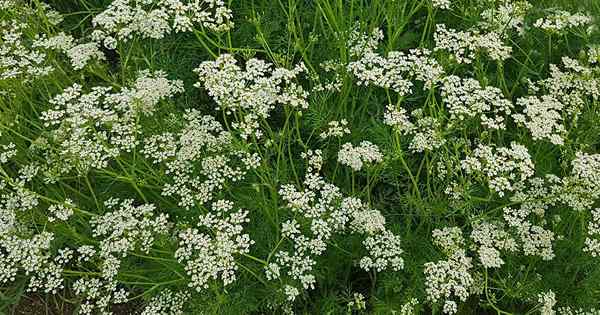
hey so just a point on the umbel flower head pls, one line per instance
(251, 93)
(200, 159)
(124, 19)
(90, 129)
(321, 212)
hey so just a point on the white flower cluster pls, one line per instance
(384, 252)
(567, 310)
(425, 131)
(398, 119)
(441, 4)
(128, 227)
(408, 308)
(61, 211)
(356, 156)
(547, 300)
(79, 54)
(534, 196)
(582, 187)
(503, 167)
(322, 209)
(124, 19)
(397, 70)
(166, 303)
(568, 91)
(543, 117)
(99, 293)
(463, 45)
(90, 129)
(19, 60)
(507, 16)
(200, 159)
(466, 98)
(24, 250)
(427, 135)
(449, 239)
(13, 201)
(211, 254)
(8, 151)
(491, 238)
(32, 256)
(5, 4)
(562, 20)
(124, 229)
(361, 43)
(449, 279)
(336, 129)
(573, 85)
(250, 94)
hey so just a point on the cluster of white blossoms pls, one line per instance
(464, 45)
(547, 301)
(592, 241)
(398, 119)
(425, 132)
(527, 221)
(466, 98)
(61, 211)
(582, 187)
(395, 71)
(124, 19)
(573, 86)
(128, 227)
(507, 16)
(166, 303)
(356, 156)
(491, 239)
(502, 167)
(5, 4)
(90, 129)
(566, 93)
(18, 59)
(543, 117)
(209, 251)
(20, 56)
(448, 279)
(448, 239)
(200, 159)
(384, 252)
(99, 294)
(562, 20)
(79, 54)
(8, 151)
(441, 4)
(336, 129)
(24, 250)
(321, 212)
(251, 94)
(360, 43)
(567, 310)
(408, 308)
